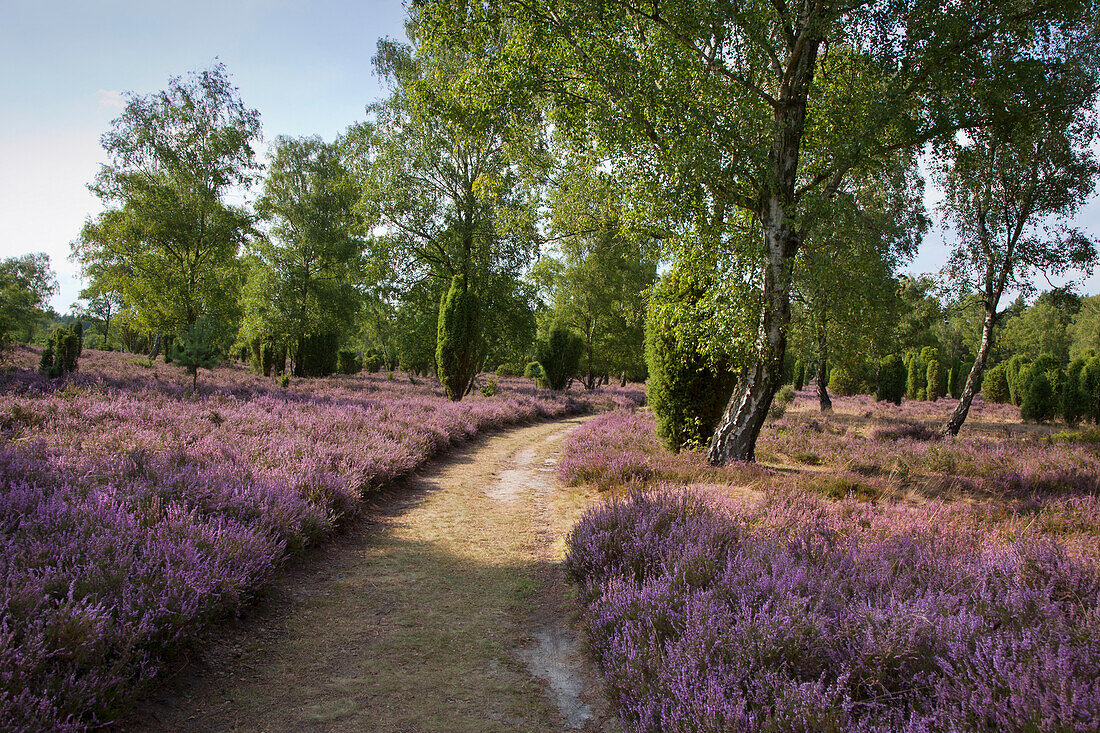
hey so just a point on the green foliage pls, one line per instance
(445, 178)
(458, 341)
(687, 389)
(960, 372)
(1039, 403)
(316, 354)
(373, 361)
(1074, 402)
(785, 395)
(266, 357)
(197, 349)
(61, 353)
(284, 381)
(26, 284)
(168, 240)
(560, 355)
(1023, 379)
(1013, 369)
(916, 378)
(417, 327)
(1039, 329)
(799, 374)
(1084, 330)
(891, 379)
(534, 370)
(510, 370)
(995, 384)
(489, 388)
(934, 380)
(348, 362)
(597, 276)
(1090, 385)
(303, 279)
(841, 382)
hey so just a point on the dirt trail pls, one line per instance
(445, 608)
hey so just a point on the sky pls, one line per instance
(305, 66)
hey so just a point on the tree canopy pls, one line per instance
(168, 240)
(766, 107)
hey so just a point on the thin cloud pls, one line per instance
(111, 99)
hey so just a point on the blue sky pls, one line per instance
(305, 66)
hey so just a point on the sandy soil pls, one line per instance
(443, 608)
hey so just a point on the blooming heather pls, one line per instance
(134, 512)
(823, 599)
(793, 613)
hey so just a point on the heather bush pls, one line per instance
(995, 385)
(897, 429)
(458, 342)
(891, 380)
(1090, 436)
(788, 612)
(560, 356)
(135, 513)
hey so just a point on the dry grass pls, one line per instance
(415, 620)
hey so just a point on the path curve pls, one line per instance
(443, 608)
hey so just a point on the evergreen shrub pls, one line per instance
(687, 390)
(1039, 402)
(348, 362)
(934, 380)
(61, 353)
(841, 382)
(995, 384)
(560, 356)
(891, 380)
(458, 338)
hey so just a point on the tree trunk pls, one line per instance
(735, 437)
(107, 331)
(974, 381)
(822, 370)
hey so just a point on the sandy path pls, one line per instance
(444, 608)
